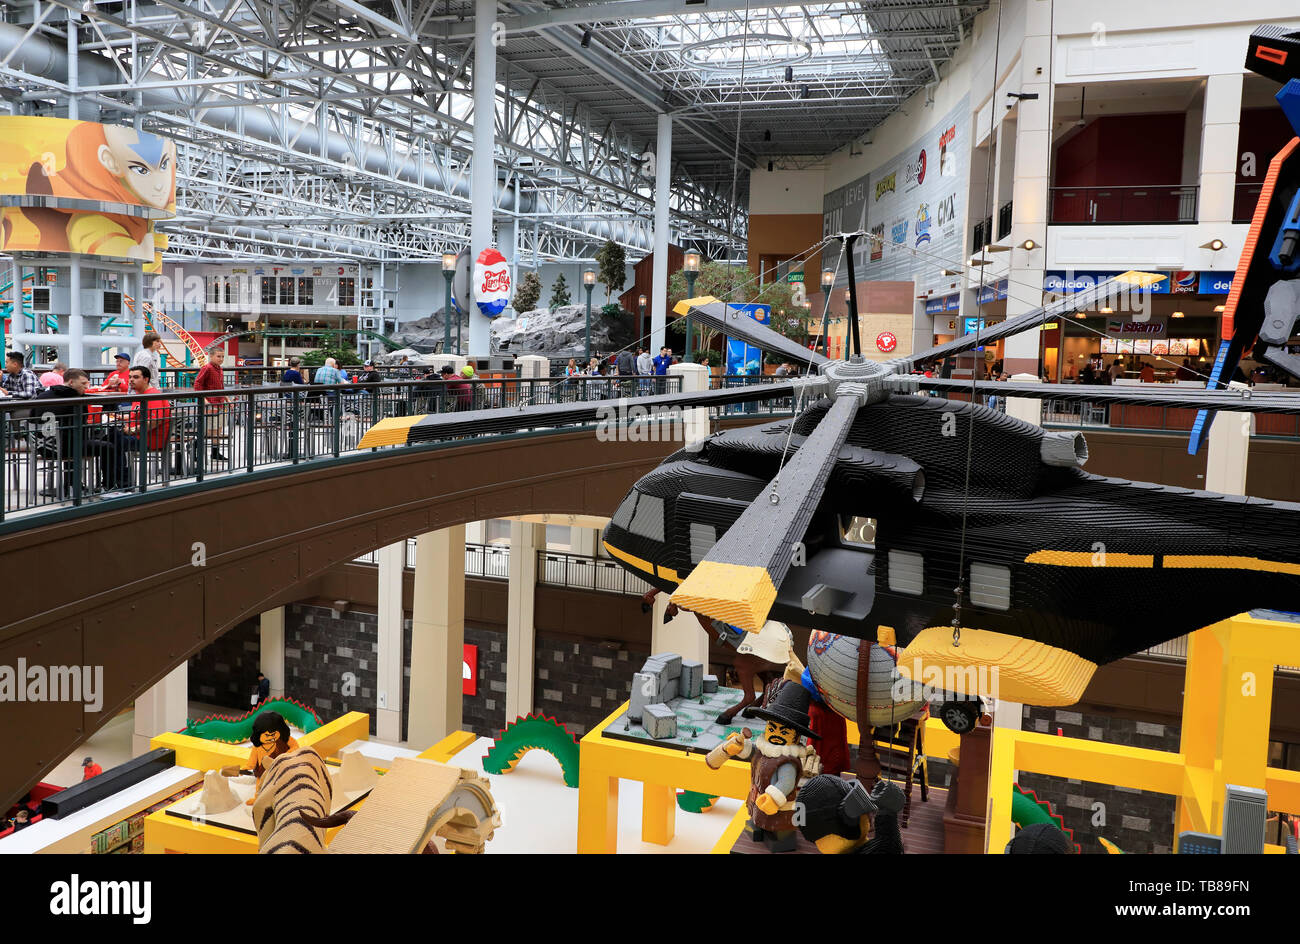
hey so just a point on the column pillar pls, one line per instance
(437, 636)
(525, 541)
(1229, 448)
(483, 179)
(684, 635)
(1029, 187)
(76, 326)
(659, 274)
(270, 634)
(389, 662)
(162, 708)
(1220, 124)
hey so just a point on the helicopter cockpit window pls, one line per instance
(703, 537)
(648, 519)
(858, 530)
(623, 514)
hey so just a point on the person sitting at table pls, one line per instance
(119, 381)
(54, 376)
(121, 442)
(18, 381)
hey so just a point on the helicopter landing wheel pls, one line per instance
(960, 717)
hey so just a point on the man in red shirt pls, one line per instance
(119, 381)
(90, 769)
(157, 422)
(212, 377)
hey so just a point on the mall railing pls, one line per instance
(1155, 204)
(1127, 417)
(56, 451)
(554, 568)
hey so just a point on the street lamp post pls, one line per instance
(692, 267)
(448, 273)
(589, 283)
(828, 280)
(641, 300)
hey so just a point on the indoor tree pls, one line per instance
(529, 294)
(559, 292)
(611, 261)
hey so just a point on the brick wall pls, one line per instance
(581, 682)
(1137, 821)
(225, 671)
(484, 714)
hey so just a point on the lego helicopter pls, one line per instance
(989, 547)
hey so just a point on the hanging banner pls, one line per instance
(912, 206)
(84, 187)
(491, 282)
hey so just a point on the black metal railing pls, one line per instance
(982, 234)
(1147, 204)
(554, 568)
(1004, 220)
(71, 450)
(578, 571)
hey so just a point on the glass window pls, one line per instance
(703, 537)
(306, 291)
(286, 291)
(347, 292)
(268, 291)
(648, 519)
(112, 303)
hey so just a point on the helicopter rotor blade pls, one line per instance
(736, 323)
(1231, 400)
(1066, 305)
(405, 430)
(738, 579)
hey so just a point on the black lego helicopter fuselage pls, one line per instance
(1100, 567)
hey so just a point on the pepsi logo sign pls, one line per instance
(886, 342)
(491, 282)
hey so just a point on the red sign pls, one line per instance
(469, 670)
(886, 342)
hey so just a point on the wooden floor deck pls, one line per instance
(923, 835)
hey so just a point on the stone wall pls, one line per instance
(1135, 820)
(225, 671)
(581, 682)
(484, 714)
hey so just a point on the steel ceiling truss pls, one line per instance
(304, 124)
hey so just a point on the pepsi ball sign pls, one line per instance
(491, 282)
(886, 342)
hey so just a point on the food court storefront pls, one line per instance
(1175, 325)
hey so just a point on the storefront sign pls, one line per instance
(886, 342)
(1183, 283)
(992, 293)
(1119, 328)
(1215, 283)
(760, 313)
(795, 276)
(469, 670)
(1067, 283)
(936, 306)
(491, 282)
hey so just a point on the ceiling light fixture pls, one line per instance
(1214, 245)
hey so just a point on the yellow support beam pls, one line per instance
(449, 746)
(330, 738)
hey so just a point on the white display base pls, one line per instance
(540, 814)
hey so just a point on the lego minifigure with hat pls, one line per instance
(776, 764)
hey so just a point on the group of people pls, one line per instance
(625, 363)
